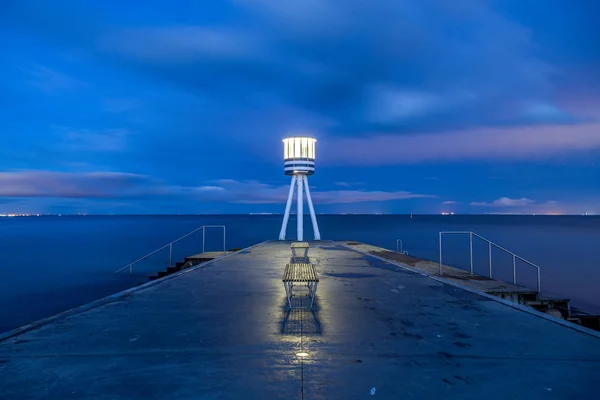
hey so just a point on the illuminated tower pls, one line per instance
(299, 158)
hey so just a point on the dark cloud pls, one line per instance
(395, 66)
(383, 71)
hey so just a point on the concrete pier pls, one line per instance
(221, 330)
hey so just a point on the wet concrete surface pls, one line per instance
(223, 331)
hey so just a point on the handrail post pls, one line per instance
(130, 269)
(170, 254)
(203, 237)
(471, 249)
(440, 272)
(490, 255)
(514, 269)
(224, 240)
(539, 281)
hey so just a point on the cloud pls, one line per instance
(359, 196)
(180, 44)
(400, 66)
(110, 140)
(52, 82)
(505, 202)
(449, 202)
(74, 185)
(507, 205)
(303, 17)
(127, 185)
(389, 105)
(348, 184)
(476, 144)
(421, 74)
(254, 192)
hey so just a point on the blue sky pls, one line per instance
(418, 106)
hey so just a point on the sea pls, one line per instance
(50, 264)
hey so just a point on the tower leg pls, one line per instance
(313, 217)
(300, 201)
(288, 206)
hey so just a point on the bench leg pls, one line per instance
(306, 253)
(288, 293)
(313, 292)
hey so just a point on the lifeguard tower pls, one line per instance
(299, 162)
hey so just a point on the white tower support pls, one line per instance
(299, 157)
(288, 206)
(313, 217)
(300, 213)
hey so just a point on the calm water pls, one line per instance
(49, 264)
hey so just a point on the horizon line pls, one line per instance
(16, 215)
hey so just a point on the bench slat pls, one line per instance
(300, 272)
(301, 245)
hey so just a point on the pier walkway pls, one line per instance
(222, 330)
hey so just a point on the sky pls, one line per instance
(430, 106)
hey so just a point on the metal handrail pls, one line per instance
(170, 246)
(490, 244)
(400, 246)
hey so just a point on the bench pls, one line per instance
(300, 273)
(299, 245)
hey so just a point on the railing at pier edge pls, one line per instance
(399, 247)
(490, 245)
(170, 246)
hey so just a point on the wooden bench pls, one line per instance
(299, 245)
(300, 273)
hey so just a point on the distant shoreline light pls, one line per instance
(21, 215)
